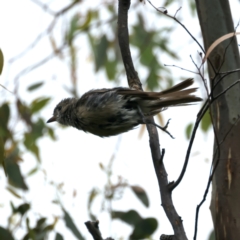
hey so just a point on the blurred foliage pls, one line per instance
(142, 227)
(212, 236)
(189, 128)
(1, 61)
(103, 43)
(71, 225)
(205, 125)
(206, 122)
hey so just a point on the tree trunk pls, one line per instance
(216, 20)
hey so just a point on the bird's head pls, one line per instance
(61, 111)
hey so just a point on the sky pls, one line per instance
(74, 158)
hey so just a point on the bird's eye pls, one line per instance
(59, 108)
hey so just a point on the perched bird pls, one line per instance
(108, 112)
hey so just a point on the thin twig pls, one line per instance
(184, 69)
(224, 91)
(225, 74)
(6, 89)
(199, 118)
(175, 19)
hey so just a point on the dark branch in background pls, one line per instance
(134, 82)
(94, 230)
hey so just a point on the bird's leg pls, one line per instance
(148, 121)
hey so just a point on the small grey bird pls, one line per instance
(108, 112)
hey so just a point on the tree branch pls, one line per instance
(135, 83)
(123, 38)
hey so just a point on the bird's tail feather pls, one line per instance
(153, 102)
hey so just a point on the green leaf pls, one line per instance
(15, 177)
(192, 6)
(5, 234)
(38, 104)
(33, 171)
(206, 122)
(147, 58)
(51, 133)
(189, 130)
(144, 229)
(101, 53)
(99, 49)
(4, 115)
(23, 208)
(5, 134)
(86, 22)
(71, 225)
(41, 223)
(152, 79)
(59, 236)
(73, 28)
(2, 160)
(31, 233)
(168, 2)
(30, 144)
(93, 194)
(12, 207)
(130, 217)
(37, 129)
(35, 86)
(1, 61)
(111, 69)
(24, 112)
(141, 195)
(13, 192)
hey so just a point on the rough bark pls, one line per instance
(216, 20)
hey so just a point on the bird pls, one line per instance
(109, 112)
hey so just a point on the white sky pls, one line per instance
(74, 158)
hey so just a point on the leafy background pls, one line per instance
(58, 178)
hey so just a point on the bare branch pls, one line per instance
(134, 82)
(123, 38)
(184, 69)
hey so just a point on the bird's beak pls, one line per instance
(52, 119)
